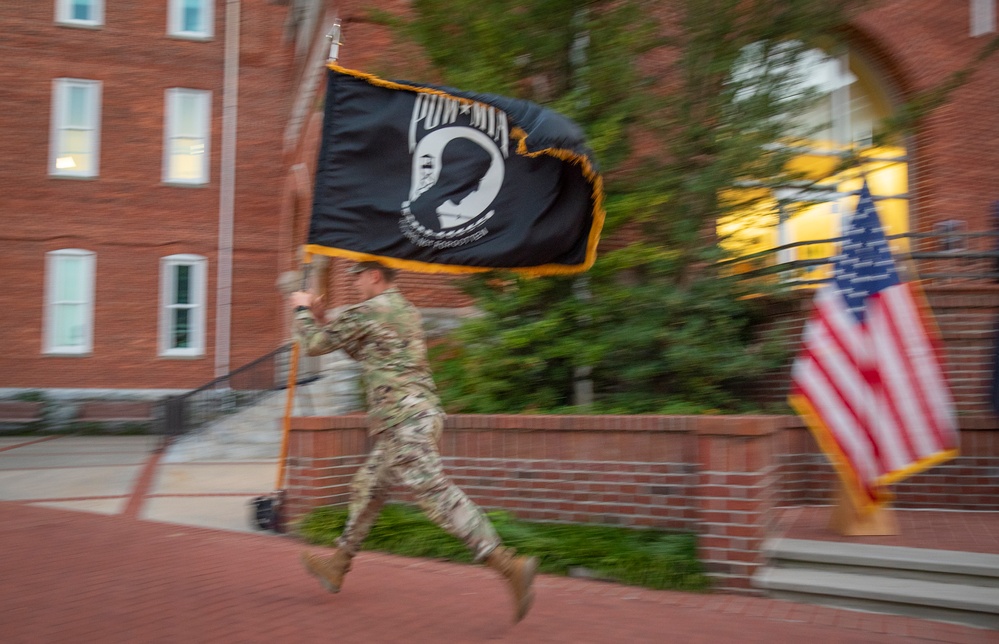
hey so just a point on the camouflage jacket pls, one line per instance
(384, 334)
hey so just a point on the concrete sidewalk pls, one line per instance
(117, 475)
(138, 565)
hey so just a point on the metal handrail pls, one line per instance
(239, 389)
(966, 256)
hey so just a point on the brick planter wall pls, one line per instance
(966, 316)
(719, 476)
(968, 482)
(709, 474)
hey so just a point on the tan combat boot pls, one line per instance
(519, 572)
(329, 570)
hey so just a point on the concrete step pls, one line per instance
(956, 603)
(942, 585)
(255, 432)
(942, 566)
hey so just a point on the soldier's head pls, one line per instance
(371, 278)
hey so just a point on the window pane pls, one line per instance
(180, 337)
(68, 324)
(76, 152)
(78, 163)
(69, 301)
(76, 107)
(182, 313)
(983, 17)
(182, 285)
(69, 279)
(188, 115)
(188, 146)
(75, 141)
(187, 136)
(186, 159)
(81, 10)
(191, 17)
(816, 122)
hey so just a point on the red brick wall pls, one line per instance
(966, 316)
(710, 474)
(126, 215)
(954, 167)
(131, 220)
(968, 482)
(719, 476)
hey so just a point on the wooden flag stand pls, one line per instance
(849, 521)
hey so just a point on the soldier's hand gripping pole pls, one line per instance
(292, 376)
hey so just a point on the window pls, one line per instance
(80, 12)
(850, 100)
(191, 18)
(76, 125)
(983, 17)
(182, 311)
(69, 301)
(188, 113)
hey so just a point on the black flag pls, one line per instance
(433, 179)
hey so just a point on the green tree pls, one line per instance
(683, 103)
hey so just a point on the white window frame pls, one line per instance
(171, 131)
(198, 284)
(60, 125)
(50, 345)
(982, 16)
(175, 21)
(64, 14)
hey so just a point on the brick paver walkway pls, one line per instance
(939, 529)
(77, 577)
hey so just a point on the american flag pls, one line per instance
(869, 380)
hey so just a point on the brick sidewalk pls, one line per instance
(79, 577)
(939, 529)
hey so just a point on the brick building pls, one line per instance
(148, 213)
(140, 195)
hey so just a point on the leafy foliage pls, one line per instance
(684, 104)
(639, 557)
(653, 348)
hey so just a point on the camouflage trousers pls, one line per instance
(407, 454)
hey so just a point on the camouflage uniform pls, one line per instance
(385, 335)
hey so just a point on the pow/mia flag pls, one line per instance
(433, 179)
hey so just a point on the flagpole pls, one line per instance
(850, 520)
(847, 389)
(289, 404)
(334, 37)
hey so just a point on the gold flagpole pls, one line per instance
(289, 406)
(848, 518)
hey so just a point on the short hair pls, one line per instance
(389, 274)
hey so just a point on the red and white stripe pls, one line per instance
(914, 402)
(878, 387)
(831, 373)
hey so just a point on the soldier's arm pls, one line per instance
(343, 332)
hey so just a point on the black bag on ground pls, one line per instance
(267, 513)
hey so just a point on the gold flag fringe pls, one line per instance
(589, 173)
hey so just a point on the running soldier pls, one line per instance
(384, 334)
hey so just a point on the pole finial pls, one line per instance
(334, 38)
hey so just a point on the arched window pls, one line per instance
(850, 104)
